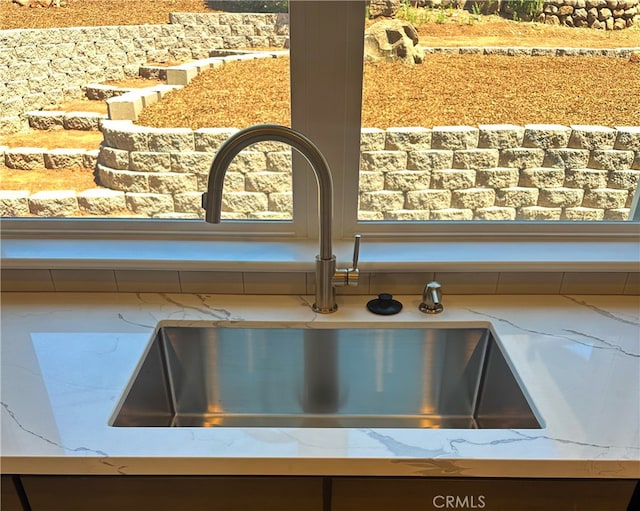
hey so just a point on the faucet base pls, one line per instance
(325, 292)
(324, 310)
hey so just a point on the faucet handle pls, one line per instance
(356, 251)
(349, 276)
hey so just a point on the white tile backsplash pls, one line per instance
(214, 282)
(85, 281)
(148, 281)
(408, 283)
(593, 283)
(26, 280)
(275, 283)
(517, 283)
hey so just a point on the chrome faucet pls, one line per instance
(327, 276)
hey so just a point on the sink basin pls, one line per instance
(324, 378)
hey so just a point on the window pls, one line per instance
(326, 76)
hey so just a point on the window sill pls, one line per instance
(273, 255)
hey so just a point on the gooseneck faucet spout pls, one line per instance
(326, 275)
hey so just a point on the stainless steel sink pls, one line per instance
(325, 378)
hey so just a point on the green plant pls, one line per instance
(524, 9)
(417, 16)
(476, 9)
(441, 17)
(249, 5)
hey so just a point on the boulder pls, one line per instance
(392, 40)
(383, 8)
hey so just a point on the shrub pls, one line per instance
(249, 5)
(524, 10)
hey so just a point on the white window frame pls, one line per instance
(326, 77)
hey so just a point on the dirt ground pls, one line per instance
(444, 90)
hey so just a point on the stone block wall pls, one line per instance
(599, 14)
(490, 172)
(43, 67)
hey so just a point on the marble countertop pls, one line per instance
(67, 358)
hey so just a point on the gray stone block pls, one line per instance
(191, 162)
(428, 199)
(583, 214)
(181, 75)
(123, 180)
(566, 158)
(149, 204)
(622, 179)
(517, 197)
(497, 177)
(385, 200)
(370, 181)
(210, 139)
(24, 158)
(85, 121)
(407, 139)
(605, 198)
(268, 182)
(281, 202)
(539, 213)
(171, 140)
(475, 158)
(617, 214)
(372, 139)
(546, 136)
(586, 178)
(101, 201)
(14, 203)
(520, 157)
(54, 203)
(560, 197)
(432, 159)
(125, 135)
(452, 214)
(64, 158)
(245, 202)
(46, 119)
(453, 179)
(405, 180)
(473, 198)
(279, 161)
(628, 138)
(125, 107)
(454, 137)
(495, 213)
(592, 137)
(171, 182)
(149, 161)
(117, 159)
(188, 202)
(383, 160)
(90, 159)
(540, 177)
(611, 159)
(500, 136)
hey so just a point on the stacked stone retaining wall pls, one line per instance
(490, 172)
(44, 67)
(599, 14)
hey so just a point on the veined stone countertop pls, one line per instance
(67, 358)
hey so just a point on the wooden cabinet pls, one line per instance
(9, 498)
(434, 494)
(137, 493)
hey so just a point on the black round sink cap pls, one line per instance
(384, 305)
